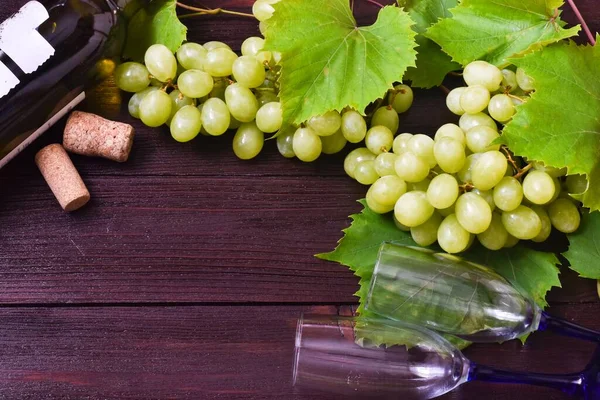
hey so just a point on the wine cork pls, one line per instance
(62, 177)
(90, 135)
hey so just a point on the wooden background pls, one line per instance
(184, 276)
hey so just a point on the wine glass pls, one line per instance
(333, 354)
(448, 294)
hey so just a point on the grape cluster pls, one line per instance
(461, 184)
(207, 89)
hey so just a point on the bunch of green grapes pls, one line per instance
(461, 184)
(207, 89)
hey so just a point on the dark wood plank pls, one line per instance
(212, 352)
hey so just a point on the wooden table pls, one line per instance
(185, 275)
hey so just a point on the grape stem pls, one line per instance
(523, 171)
(375, 3)
(509, 158)
(586, 29)
(466, 187)
(512, 96)
(209, 11)
(444, 89)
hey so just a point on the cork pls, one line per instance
(62, 177)
(90, 135)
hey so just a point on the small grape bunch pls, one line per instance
(461, 184)
(207, 89)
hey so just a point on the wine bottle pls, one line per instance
(47, 52)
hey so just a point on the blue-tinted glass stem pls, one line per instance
(566, 328)
(571, 384)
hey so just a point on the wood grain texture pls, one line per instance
(185, 275)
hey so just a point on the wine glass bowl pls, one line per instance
(448, 294)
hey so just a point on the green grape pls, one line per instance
(525, 81)
(354, 157)
(263, 10)
(474, 99)
(501, 108)
(186, 124)
(262, 27)
(365, 172)
(489, 170)
(241, 102)
(192, 56)
(466, 172)
(326, 124)
(219, 89)
(451, 236)
(553, 172)
(161, 63)
(195, 83)
(426, 233)
(155, 108)
(248, 141)
(522, 223)
(508, 194)
(385, 164)
(215, 116)
(511, 241)
(285, 145)
(269, 117)
(449, 154)
(178, 101)
(388, 189)
(509, 81)
(219, 62)
(495, 236)
(306, 144)
(132, 77)
(422, 146)
(452, 131)
(546, 224)
(234, 124)
(354, 127)
(468, 121)
(453, 101)
(410, 167)
(442, 191)
(252, 45)
(401, 143)
(248, 72)
(401, 227)
(444, 212)
(215, 44)
(480, 139)
(576, 184)
(401, 98)
(334, 143)
(484, 74)
(379, 139)
(487, 195)
(264, 57)
(412, 209)
(376, 207)
(386, 116)
(473, 213)
(134, 103)
(538, 187)
(557, 189)
(266, 96)
(277, 57)
(564, 215)
(155, 82)
(422, 186)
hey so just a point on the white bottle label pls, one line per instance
(21, 41)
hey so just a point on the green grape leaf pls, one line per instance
(495, 31)
(530, 271)
(432, 63)
(559, 124)
(584, 248)
(157, 23)
(328, 62)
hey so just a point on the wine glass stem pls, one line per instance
(566, 328)
(569, 383)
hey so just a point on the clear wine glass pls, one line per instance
(448, 294)
(332, 354)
